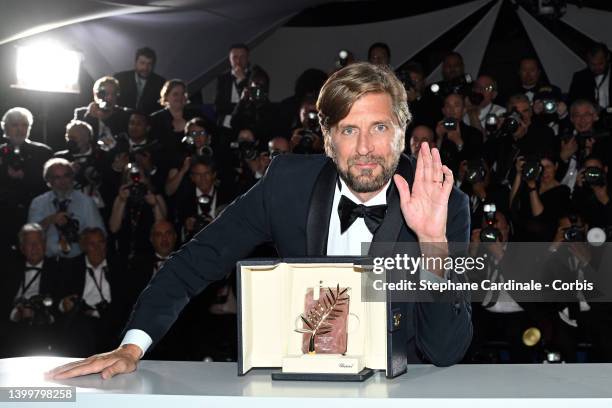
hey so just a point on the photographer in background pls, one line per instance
(231, 84)
(530, 79)
(197, 143)
(518, 135)
(88, 162)
(199, 201)
(140, 86)
(476, 180)
(307, 139)
(593, 83)
(456, 140)
(537, 199)
(251, 160)
(419, 135)
(591, 196)
(380, 54)
(481, 112)
(136, 207)
(423, 104)
(92, 303)
(21, 168)
(254, 110)
(28, 297)
(577, 141)
(105, 117)
(63, 212)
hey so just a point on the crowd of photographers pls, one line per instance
(146, 166)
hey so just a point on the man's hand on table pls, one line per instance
(119, 361)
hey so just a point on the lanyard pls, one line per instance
(598, 85)
(98, 285)
(24, 287)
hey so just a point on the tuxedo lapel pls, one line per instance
(319, 212)
(394, 220)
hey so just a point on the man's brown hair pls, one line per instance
(347, 85)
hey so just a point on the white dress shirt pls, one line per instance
(91, 294)
(602, 86)
(33, 288)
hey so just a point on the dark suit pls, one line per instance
(86, 335)
(16, 194)
(23, 338)
(149, 100)
(117, 122)
(223, 97)
(583, 86)
(295, 216)
(13, 277)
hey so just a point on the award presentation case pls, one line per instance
(270, 295)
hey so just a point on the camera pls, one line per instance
(138, 189)
(245, 149)
(594, 176)
(70, 230)
(550, 106)
(512, 121)
(12, 157)
(342, 59)
(203, 219)
(531, 169)
(461, 85)
(489, 233)
(256, 93)
(476, 171)
(491, 122)
(41, 309)
(190, 147)
(449, 123)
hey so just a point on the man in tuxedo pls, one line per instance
(21, 169)
(29, 279)
(231, 84)
(458, 143)
(363, 114)
(593, 83)
(140, 87)
(530, 78)
(93, 303)
(107, 119)
(144, 265)
(199, 201)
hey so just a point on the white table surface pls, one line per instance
(197, 384)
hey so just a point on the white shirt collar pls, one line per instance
(89, 265)
(38, 265)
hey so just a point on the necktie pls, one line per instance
(349, 211)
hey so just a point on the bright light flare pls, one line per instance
(48, 67)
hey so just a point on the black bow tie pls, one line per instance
(349, 211)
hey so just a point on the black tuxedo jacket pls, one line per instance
(13, 277)
(149, 101)
(223, 98)
(117, 122)
(34, 157)
(291, 207)
(73, 283)
(583, 86)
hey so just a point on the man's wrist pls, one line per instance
(133, 350)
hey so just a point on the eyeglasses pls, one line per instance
(195, 133)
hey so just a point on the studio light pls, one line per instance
(48, 67)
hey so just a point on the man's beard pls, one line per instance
(365, 182)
